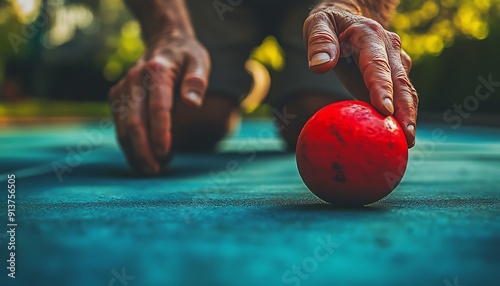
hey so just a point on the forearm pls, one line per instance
(381, 11)
(161, 17)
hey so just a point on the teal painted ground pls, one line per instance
(243, 216)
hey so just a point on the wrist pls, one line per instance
(350, 6)
(163, 27)
(380, 11)
(162, 18)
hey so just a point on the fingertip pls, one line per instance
(160, 151)
(193, 89)
(161, 148)
(410, 135)
(193, 98)
(319, 59)
(323, 60)
(389, 106)
(322, 45)
(381, 98)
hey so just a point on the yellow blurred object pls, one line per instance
(66, 20)
(25, 11)
(129, 48)
(3, 111)
(260, 87)
(270, 54)
(483, 5)
(4, 16)
(112, 71)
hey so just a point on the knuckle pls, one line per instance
(379, 63)
(157, 64)
(395, 40)
(313, 20)
(402, 79)
(384, 84)
(415, 97)
(374, 26)
(197, 58)
(132, 74)
(407, 61)
(206, 57)
(321, 37)
(138, 92)
(156, 107)
(195, 82)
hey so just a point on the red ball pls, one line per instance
(349, 154)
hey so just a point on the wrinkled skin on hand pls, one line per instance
(142, 101)
(367, 58)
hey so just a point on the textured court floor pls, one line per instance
(243, 215)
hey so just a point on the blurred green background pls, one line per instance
(59, 58)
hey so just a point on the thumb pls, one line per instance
(195, 81)
(323, 49)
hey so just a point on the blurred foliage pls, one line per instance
(452, 42)
(51, 108)
(427, 27)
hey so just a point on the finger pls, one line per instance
(117, 100)
(160, 87)
(369, 46)
(407, 62)
(405, 96)
(323, 49)
(128, 150)
(136, 125)
(195, 79)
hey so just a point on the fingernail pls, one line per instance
(319, 59)
(388, 105)
(411, 128)
(194, 97)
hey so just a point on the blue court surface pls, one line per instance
(242, 216)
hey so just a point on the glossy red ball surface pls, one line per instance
(349, 154)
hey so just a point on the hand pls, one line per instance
(142, 101)
(381, 71)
